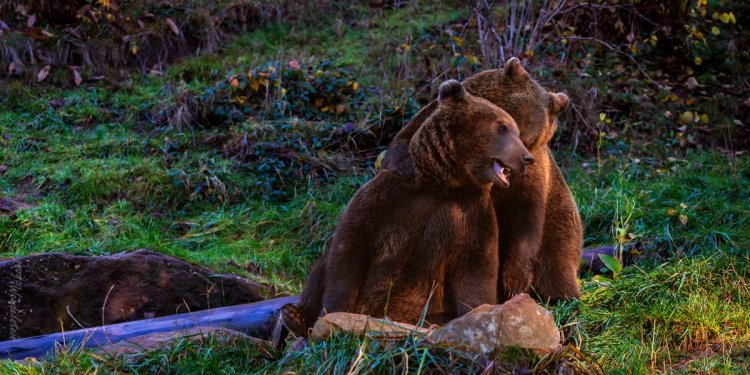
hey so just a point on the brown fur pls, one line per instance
(427, 242)
(540, 244)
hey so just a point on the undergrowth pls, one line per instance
(197, 163)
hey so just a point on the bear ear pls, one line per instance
(451, 89)
(559, 102)
(513, 68)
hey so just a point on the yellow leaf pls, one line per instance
(725, 17)
(325, 109)
(731, 18)
(254, 85)
(683, 219)
(671, 212)
(683, 205)
(686, 117)
(318, 102)
(340, 108)
(355, 86)
(704, 118)
(602, 116)
(271, 69)
(283, 91)
(715, 30)
(459, 41)
(698, 61)
(379, 160)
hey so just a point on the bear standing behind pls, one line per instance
(429, 242)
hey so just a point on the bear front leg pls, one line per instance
(556, 273)
(521, 226)
(345, 273)
(474, 282)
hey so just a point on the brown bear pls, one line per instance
(426, 243)
(541, 242)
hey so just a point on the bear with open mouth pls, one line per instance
(423, 246)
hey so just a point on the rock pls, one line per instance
(47, 293)
(360, 324)
(519, 322)
(165, 340)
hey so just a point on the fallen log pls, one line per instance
(255, 319)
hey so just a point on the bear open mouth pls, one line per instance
(502, 172)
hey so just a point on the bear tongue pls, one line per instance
(499, 172)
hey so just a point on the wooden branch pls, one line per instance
(253, 318)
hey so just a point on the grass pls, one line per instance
(101, 178)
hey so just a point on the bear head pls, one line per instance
(512, 89)
(467, 142)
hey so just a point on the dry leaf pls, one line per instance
(76, 76)
(31, 21)
(84, 9)
(42, 75)
(691, 83)
(21, 9)
(683, 219)
(173, 26)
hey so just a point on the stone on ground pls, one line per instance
(360, 325)
(519, 322)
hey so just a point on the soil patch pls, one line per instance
(55, 292)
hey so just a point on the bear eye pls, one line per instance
(502, 127)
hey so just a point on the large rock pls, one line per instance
(519, 322)
(360, 325)
(48, 293)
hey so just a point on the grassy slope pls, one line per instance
(107, 186)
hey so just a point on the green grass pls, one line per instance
(103, 179)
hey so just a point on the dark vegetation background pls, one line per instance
(232, 134)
